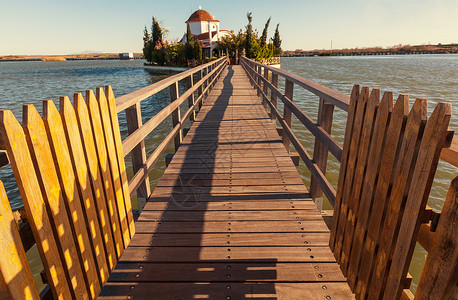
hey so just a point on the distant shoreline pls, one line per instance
(395, 50)
(90, 56)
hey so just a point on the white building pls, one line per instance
(206, 29)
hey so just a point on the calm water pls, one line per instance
(433, 77)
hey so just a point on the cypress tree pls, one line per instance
(189, 46)
(263, 38)
(147, 45)
(277, 42)
(249, 37)
(156, 32)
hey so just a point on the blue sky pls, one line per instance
(65, 27)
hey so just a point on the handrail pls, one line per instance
(134, 97)
(139, 132)
(427, 237)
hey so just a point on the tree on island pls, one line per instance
(276, 42)
(147, 45)
(189, 43)
(249, 38)
(263, 39)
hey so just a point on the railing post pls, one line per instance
(134, 121)
(199, 90)
(266, 77)
(289, 87)
(273, 96)
(191, 99)
(258, 81)
(320, 152)
(176, 115)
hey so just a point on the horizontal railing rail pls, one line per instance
(265, 80)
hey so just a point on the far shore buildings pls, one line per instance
(205, 28)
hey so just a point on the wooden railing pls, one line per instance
(437, 278)
(199, 82)
(274, 60)
(16, 225)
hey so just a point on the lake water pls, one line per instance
(433, 77)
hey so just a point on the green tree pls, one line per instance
(276, 43)
(263, 39)
(147, 45)
(189, 45)
(249, 38)
(197, 50)
(156, 32)
(157, 55)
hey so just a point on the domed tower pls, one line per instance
(206, 29)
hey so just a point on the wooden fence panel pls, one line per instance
(111, 192)
(16, 280)
(34, 203)
(63, 209)
(80, 168)
(113, 116)
(102, 187)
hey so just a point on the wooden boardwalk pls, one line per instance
(231, 217)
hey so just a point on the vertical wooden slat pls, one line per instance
(375, 153)
(396, 126)
(113, 160)
(37, 214)
(343, 162)
(80, 219)
(273, 96)
(350, 171)
(439, 277)
(320, 152)
(289, 88)
(176, 115)
(112, 193)
(423, 175)
(199, 90)
(111, 104)
(99, 171)
(61, 208)
(360, 173)
(84, 185)
(134, 121)
(191, 99)
(400, 185)
(16, 280)
(266, 76)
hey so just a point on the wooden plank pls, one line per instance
(434, 139)
(14, 140)
(61, 208)
(351, 165)
(111, 192)
(16, 280)
(222, 254)
(320, 152)
(396, 125)
(375, 154)
(138, 154)
(400, 185)
(217, 272)
(234, 239)
(84, 220)
(226, 216)
(114, 165)
(279, 291)
(176, 117)
(75, 147)
(119, 154)
(102, 187)
(289, 89)
(438, 279)
(359, 177)
(343, 165)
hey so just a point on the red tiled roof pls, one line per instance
(201, 15)
(204, 35)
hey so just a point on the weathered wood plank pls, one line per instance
(34, 203)
(102, 188)
(76, 152)
(16, 281)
